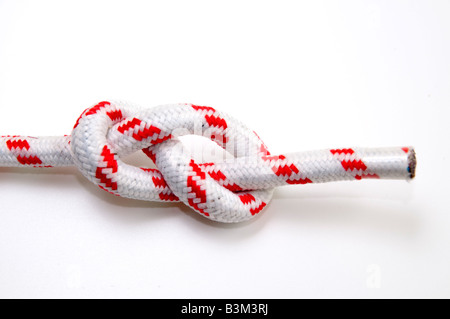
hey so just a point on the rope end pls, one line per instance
(412, 162)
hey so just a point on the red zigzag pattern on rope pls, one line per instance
(113, 115)
(212, 120)
(16, 146)
(200, 194)
(220, 177)
(159, 182)
(352, 165)
(144, 132)
(111, 167)
(286, 169)
(248, 199)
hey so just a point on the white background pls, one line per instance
(304, 75)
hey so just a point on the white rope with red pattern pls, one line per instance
(227, 191)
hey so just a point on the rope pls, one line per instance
(227, 191)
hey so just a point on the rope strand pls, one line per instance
(228, 191)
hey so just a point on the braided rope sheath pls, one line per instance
(230, 191)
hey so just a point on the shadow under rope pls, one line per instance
(338, 205)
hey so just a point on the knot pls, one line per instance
(108, 131)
